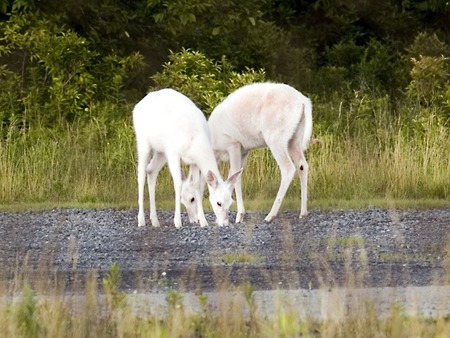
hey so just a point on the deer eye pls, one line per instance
(219, 204)
(192, 199)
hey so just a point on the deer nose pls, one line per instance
(222, 222)
(225, 220)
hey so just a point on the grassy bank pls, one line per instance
(357, 163)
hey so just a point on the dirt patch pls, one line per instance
(372, 248)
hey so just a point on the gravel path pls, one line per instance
(372, 248)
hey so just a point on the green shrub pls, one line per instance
(430, 80)
(61, 74)
(9, 98)
(373, 67)
(426, 44)
(204, 81)
(429, 87)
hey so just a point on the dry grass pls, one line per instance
(40, 310)
(94, 164)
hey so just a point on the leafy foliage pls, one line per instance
(430, 74)
(61, 75)
(375, 67)
(237, 29)
(70, 54)
(203, 80)
(430, 79)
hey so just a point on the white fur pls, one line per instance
(260, 115)
(169, 124)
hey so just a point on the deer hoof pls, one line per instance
(269, 218)
(239, 217)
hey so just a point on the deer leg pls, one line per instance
(143, 159)
(240, 199)
(302, 169)
(153, 169)
(198, 185)
(287, 170)
(237, 160)
(175, 170)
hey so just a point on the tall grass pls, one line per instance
(365, 154)
(399, 169)
(109, 312)
(82, 163)
(369, 152)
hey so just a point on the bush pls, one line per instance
(204, 81)
(373, 68)
(426, 44)
(9, 98)
(430, 80)
(429, 87)
(61, 75)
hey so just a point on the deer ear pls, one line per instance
(211, 179)
(231, 181)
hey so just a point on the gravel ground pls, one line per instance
(371, 248)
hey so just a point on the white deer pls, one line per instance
(260, 115)
(170, 124)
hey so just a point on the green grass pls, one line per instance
(380, 162)
(241, 257)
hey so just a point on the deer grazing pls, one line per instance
(171, 126)
(260, 115)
